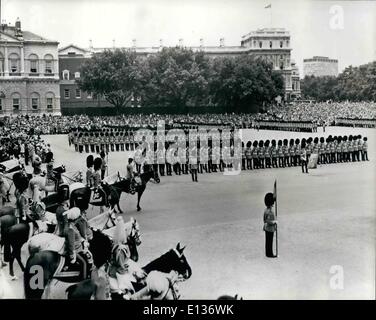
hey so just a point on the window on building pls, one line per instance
(14, 62)
(281, 44)
(16, 104)
(33, 59)
(254, 43)
(66, 93)
(287, 43)
(77, 75)
(48, 64)
(271, 44)
(66, 74)
(1, 104)
(260, 44)
(33, 66)
(34, 103)
(78, 94)
(50, 103)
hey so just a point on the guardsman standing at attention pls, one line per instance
(248, 155)
(256, 164)
(161, 158)
(261, 154)
(280, 154)
(86, 142)
(270, 225)
(274, 154)
(349, 148)
(365, 149)
(75, 141)
(291, 152)
(267, 154)
(80, 142)
(303, 156)
(91, 142)
(168, 164)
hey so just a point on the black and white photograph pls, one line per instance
(187, 150)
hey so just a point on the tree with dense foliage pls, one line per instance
(354, 84)
(242, 82)
(174, 77)
(111, 74)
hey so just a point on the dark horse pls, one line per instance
(7, 220)
(110, 194)
(17, 236)
(100, 247)
(173, 259)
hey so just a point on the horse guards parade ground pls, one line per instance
(326, 225)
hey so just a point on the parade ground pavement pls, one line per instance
(326, 226)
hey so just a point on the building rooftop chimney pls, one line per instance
(180, 42)
(222, 42)
(201, 42)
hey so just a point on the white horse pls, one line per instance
(52, 242)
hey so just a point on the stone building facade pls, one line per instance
(320, 67)
(29, 73)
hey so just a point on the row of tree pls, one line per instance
(354, 84)
(179, 78)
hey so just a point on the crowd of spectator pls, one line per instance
(318, 113)
(324, 112)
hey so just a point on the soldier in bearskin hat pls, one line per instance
(338, 149)
(261, 154)
(274, 152)
(286, 160)
(297, 152)
(292, 151)
(333, 150)
(349, 148)
(303, 156)
(280, 153)
(248, 155)
(322, 151)
(365, 149)
(256, 163)
(270, 225)
(268, 160)
(344, 149)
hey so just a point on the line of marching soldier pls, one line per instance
(286, 153)
(108, 140)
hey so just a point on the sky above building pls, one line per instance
(343, 30)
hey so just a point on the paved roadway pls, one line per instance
(326, 218)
